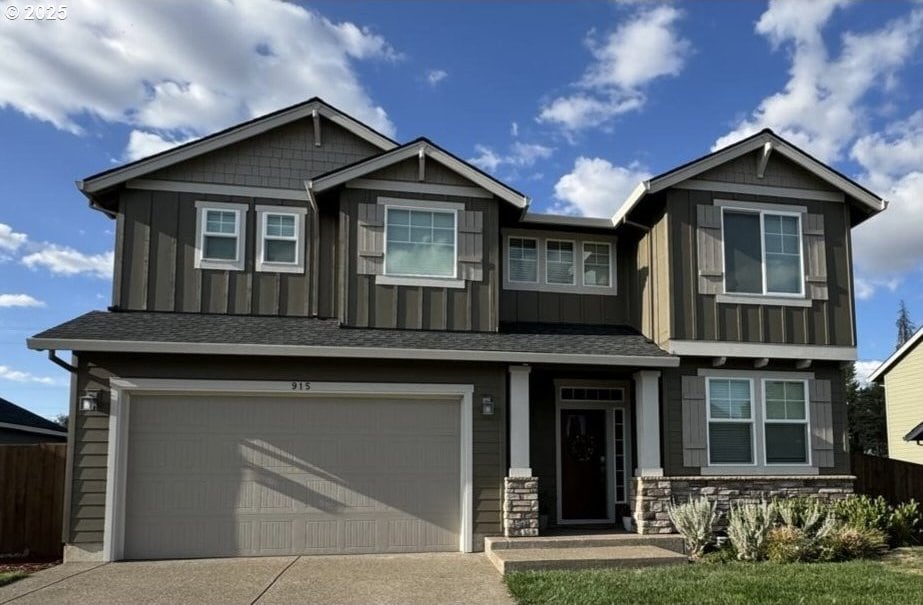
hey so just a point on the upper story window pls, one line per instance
(544, 261)
(741, 432)
(220, 235)
(762, 253)
(280, 239)
(420, 242)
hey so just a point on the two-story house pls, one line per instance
(323, 341)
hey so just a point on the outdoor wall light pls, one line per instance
(487, 405)
(89, 401)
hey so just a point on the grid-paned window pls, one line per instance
(786, 422)
(523, 253)
(420, 243)
(762, 252)
(730, 421)
(219, 235)
(280, 238)
(559, 262)
(596, 267)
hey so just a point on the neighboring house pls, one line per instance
(20, 426)
(902, 376)
(323, 341)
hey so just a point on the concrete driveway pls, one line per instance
(399, 579)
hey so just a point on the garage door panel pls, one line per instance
(279, 475)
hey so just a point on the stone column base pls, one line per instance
(520, 507)
(652, 495)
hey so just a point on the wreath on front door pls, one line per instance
(582, 447)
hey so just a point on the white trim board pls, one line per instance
(560, 220)
(33, 429)
(898, 354)
(426, 188)
(215, 189)
(709, 348)
(233, 135)
(786, 192)
(193, 348)
(122, 389)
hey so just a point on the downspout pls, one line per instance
(53, 356)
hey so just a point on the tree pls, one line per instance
(865, 409)
(905, 327)
(60, 419)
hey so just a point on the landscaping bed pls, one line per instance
(17, 569)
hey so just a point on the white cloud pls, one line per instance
(864, 369)
(595, 187)
(867, 286)
(10, 241)
(821, 107)
(155, 67)
(646, 47)
(521, 155)
(514, 129)
(142, 144)
(62, 260)
(8, 373)
(19, 300)
(435, 76)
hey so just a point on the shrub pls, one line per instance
(805, 524)
(790, 544)
(906, 524)
(849, 542)
(695, 521)
(748, 525)
(864, 512)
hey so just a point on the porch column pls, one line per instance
(647, 418)
(520, 488)
(519, 422)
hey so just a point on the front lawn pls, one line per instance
(895, 580)
(7, 577)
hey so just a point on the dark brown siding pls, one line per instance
(472, 308)
(671, 411)
(780, 172)
(281, 158)
(158, 273)
(91, 438)
(699, 317)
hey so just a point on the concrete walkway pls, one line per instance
(443, 578)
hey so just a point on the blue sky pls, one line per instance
(570, 102)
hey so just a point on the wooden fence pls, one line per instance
(32, 498)
(895, 480)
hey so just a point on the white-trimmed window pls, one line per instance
(522, 253)
(762, 252)
(785, 412)
(420, 242)
(730, 421)
(280, 239)
(597, 264)
(220, 236)
(559, 262)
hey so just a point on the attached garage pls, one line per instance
(339, 468)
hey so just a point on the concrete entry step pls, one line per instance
(673, 542)
(593, 557)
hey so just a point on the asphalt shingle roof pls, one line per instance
(300, 331)
(10, 413)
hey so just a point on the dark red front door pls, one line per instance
(583, 464)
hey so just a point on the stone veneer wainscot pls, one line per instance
(520, 507)
(652, 495)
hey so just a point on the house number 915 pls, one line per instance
(300, 385)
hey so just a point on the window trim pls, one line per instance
(762, 212)
(752, 422)
(264, 266)
(578, 287)
(583, 244)
(420, 207)
(538, 263)
(240, 211)
(806, 422)
(574, 262)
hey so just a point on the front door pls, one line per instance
(583, 464)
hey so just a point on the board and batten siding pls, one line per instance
(283, 158)
(155, 269)
(88, 484)
(698, 316)
(904, 405)
(368, 304)
(675, 416)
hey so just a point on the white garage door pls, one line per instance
(245, 476)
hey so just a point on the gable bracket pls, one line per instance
(421, 160)
(763, 159)
(315, 116)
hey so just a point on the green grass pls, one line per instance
(8, 577)
(896, 580)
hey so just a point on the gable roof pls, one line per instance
(772, 143)
(14, 417)
(897, 356)
(412, 149)
(115, 176)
